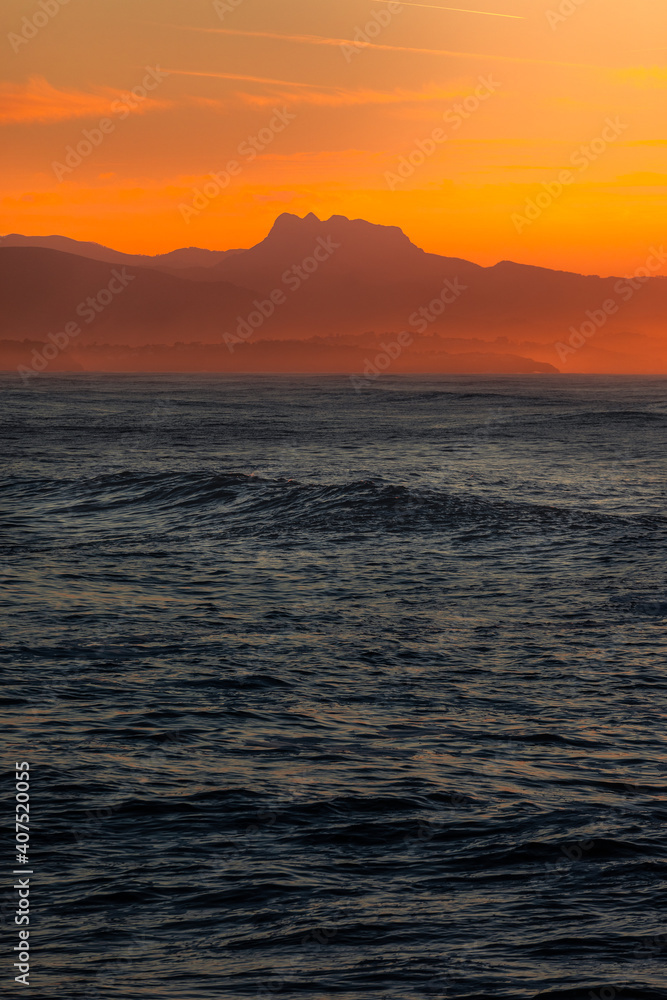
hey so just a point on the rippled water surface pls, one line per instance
(339, 694)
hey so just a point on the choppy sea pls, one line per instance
(338, 694)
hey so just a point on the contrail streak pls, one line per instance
(246, 79)
(377, 46)
(460, 10)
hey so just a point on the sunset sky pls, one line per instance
(349, 116)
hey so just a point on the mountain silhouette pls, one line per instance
(326, 281)
(187, 259)
(42, 290)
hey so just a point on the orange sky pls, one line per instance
(552, 84)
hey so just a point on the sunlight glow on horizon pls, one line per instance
(365, 93)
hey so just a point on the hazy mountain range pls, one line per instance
(320, 296)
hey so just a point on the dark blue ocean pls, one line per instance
(338, 694)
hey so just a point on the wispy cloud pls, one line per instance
(377, 46)
(320, 94)
(643, 178)
(38, 101)
(459, 10)
(651, 77)
(355, 98)
(242, 78)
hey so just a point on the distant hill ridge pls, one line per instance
(184, 258)
(336, 278)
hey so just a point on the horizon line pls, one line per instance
(380, 225)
